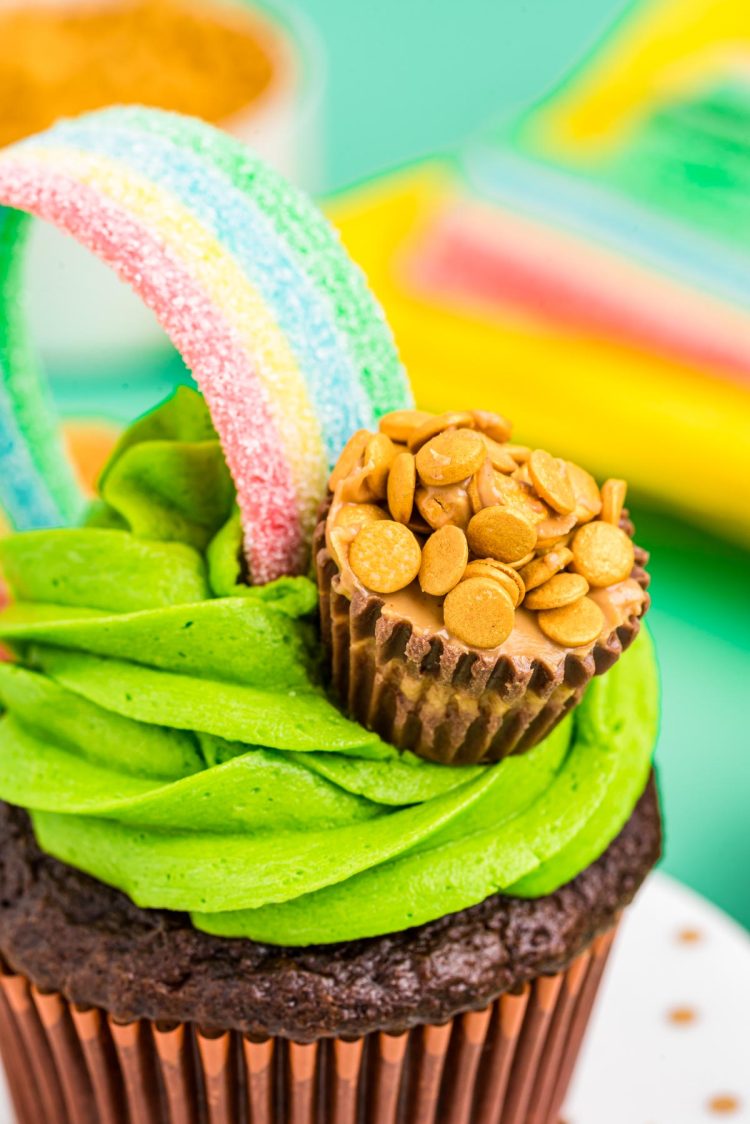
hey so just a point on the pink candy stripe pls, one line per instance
(221, 366)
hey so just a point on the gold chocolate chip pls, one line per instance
(437, 423)
(495, 426)
(499, 458)
(572, 625)
(586, 492)
(439, 506)
(402, 482)
(613, 500)
(499, 572)
(479, 612)
(520, 453)
(562, 589)
(450, 457)
(380, 454)
(444, 559)
(385, 556)
(519, 565)
(542, 569)
(602, 553)
(400, 424)
(550, 478)
(353, 516)
(349, 458)
(497, 532)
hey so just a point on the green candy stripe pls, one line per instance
(309, 236)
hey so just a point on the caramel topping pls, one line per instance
(385, 556)
(487, 527)
(402, 483)
(479, 612)
(572, 626)
(451, 456)
(497, 532)
(440, 506)
(444, 559)
(551, 531)
(602, 553)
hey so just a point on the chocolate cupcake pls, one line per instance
(221, 899)
(470, 587)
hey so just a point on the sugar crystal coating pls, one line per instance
(247, 278)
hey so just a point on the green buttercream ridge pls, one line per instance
(167, 730)
(102, 569)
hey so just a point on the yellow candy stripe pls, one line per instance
(653, 54)
(678, 435)
(229, 289)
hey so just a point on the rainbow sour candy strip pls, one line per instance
(248, 279)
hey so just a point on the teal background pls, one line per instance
(408, 79)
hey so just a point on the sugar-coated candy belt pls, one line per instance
(249, 281)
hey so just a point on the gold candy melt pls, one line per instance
(603, 554)
(385, 556)
(498, 532)
(451, 456)
(479, 612)
(402, 484)
(444, 559)
(573, 625)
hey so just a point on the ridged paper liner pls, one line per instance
(444, 701)
(508, 1064)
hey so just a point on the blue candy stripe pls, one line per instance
(29, 497)
(311, 240)
(540, 190)
(236, 222)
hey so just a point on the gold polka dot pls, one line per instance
(690, 936)
(723, 1104)
(682, 1016)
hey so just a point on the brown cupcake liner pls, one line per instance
(507, 1064)
(435, 696)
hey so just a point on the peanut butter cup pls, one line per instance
(470, 587)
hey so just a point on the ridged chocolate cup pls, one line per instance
(507, 1064)
(435, 696)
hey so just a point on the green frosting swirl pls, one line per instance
(166, 728)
